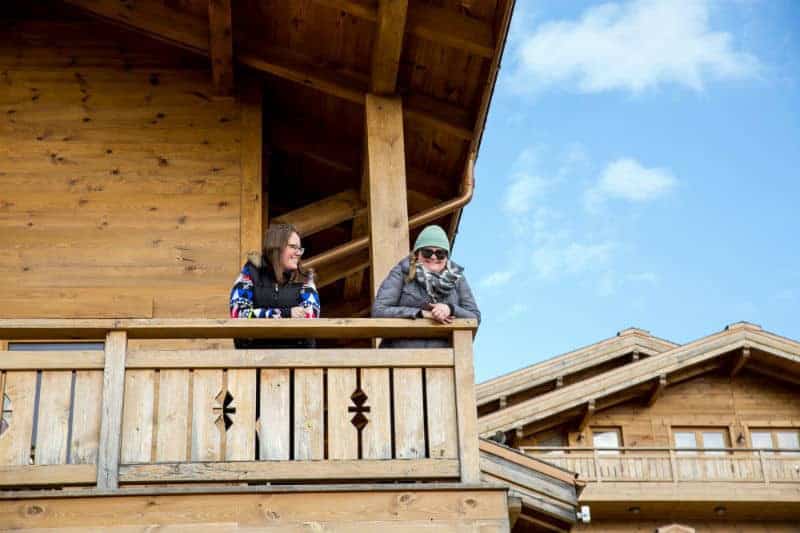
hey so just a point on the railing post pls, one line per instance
(111, 414)
(763, 467)
(673, 467)
(465, 407)
(596, 465)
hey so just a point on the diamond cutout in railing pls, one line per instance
(225, 410)
(359, 398)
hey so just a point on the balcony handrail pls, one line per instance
(650, 449)
(132, 414)
(187, 328)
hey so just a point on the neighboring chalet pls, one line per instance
(701, 437)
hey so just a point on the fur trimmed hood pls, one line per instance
(255, 258)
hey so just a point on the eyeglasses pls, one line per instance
(427, 253)
(299, 249)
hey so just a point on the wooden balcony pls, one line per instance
(738, 465)
(134, 414)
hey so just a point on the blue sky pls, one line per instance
(640, 167)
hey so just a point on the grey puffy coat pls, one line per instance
(398, 298)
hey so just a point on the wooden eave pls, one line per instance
(626, 342)
(548, 493)
(775, 356)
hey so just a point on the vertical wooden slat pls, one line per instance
(308, 414)
(442, 426)
(205, 434)
(385, 161)
(111, 416)
(15, 444)
(274, 429)
(241, 436)
(377, 435)
(86, 416)
(466, 407)
(137, 419)
(173, 415)
(342, 434)
(251, 214)
(409, 423)
(52, 432)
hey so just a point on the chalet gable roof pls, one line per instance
(738, 345)
(626, 341)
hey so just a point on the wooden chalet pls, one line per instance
(144, 147)
(703, 436)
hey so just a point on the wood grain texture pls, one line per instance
(86, 416)
(252, 202)
(241, 436)
(275, 421)
(308, 415)
(172, 431)
(47, 475)
(138, 416)
(386, 174)
(387, 48)
(468, 454)
(409, 413)
(377, 435)
(206, 443)
(112, 409)
(55, 398)
(342, 434)
(15, 446)
(220, 46)
(442, 417)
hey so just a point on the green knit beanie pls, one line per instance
(432, 236)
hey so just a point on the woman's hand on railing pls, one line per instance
(298, 312)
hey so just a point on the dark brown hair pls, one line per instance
(276, 238)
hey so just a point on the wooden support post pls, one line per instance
(385, 160)
(658, 390)
(111, 415)
(252, 221)
(514, 509)
(468, 454)
(220, 46)
(741, 360)
(587, 414)
(673, 465)
(388, 45)
(635, 356)
(503, 402)
(559, 382)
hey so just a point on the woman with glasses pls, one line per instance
(272, 284)
(426, 284)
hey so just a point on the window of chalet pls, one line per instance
(607, 437)
(693, 440)
(770, 439)
(552, 438)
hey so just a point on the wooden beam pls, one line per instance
(776, 374)
(220, 46)
(42, 475)
(360, 469)
(741, 360)
(388, 45)
(657, 391)
(108, 450)
(587, 415)
(514, 510)
(325, 213)
(305, 358)
(443, 26)
(251, 212)
(385, 163)
(538, 525)
(55, 360)
(345, 267)
(467, 412)
(343, 155)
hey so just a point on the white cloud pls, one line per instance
(523, 191)
(496, 279)
(627, 179)
(556, 258)
(633, 46)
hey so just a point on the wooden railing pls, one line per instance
(139, 415)
(673, 465)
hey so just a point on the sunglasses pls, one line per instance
(427, 253)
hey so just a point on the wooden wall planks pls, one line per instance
(123, 198)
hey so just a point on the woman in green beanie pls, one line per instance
(426, 284)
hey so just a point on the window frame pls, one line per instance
(700, 448)
(773, 432)
(607, 429)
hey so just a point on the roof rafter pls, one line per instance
(192, 33)
(220, 46)
(388, 45)
(436, 24)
